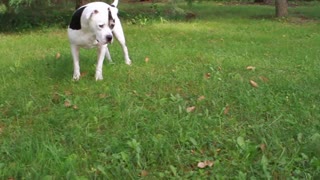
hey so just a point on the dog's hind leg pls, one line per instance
(118, 32)
(108, 56)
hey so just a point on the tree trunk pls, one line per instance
(281, 8)
(80, 3)
(263, 1)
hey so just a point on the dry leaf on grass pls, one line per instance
(83, 74)
(201, 98)
(251, 68)
(253, 84)
(262, 147)
(144, 173)
(67, 103)
(58, 55)
(201, 165)
(264, 79)
(67, 93)
(146, 59)
(209, 163)
(226, 110)
(75, 107)
(207, 75)
(190, 109)
(103, 95)
(205, 164)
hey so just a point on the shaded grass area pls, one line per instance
(136, 120)
(147, 13)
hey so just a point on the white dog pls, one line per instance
(93, 25)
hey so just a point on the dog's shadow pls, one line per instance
(60, 67)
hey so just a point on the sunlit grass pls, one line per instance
(190, 102)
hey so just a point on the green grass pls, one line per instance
(136, 118)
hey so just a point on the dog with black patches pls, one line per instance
(94, 25)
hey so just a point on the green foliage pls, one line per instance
(17, 3)
(31, 18)
(186, 99)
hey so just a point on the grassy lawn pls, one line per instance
(186, 102)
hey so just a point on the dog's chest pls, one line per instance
(88, 41)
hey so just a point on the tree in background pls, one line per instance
(11, 5)
(280, 5)
(81, 2)
(281, 8)
(263, 1)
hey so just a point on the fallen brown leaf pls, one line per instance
(103, 95)
(146, 59)
(226, 110)
(190, 109)
(209, 163)
(58, 55)
(67, 93)
(144, 173)
(83, 74)
(201, 98)
(251, 68)
(207, 75)
(253, 84)
(204, 164)
(264, 79)
(67, 103)
(201, 165)
(75, 107)
(262, 147)
(193, 151)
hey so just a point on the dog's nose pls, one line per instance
(109, 38)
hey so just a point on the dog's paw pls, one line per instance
(76, 76)
(128, 62)
(99, 77)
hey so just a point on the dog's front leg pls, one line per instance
(76, 66)
(101, 53)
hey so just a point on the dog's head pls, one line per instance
(102, 22)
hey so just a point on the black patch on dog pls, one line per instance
(75, 23)
(111, 20)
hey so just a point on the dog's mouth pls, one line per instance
(102, 43)
(108, 40)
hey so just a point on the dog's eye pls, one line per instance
(101, 25)
(111, 26)
(111, 23)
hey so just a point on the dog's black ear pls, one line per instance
(75, 22)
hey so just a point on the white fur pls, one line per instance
(91, 35)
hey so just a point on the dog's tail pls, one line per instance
(115, 3)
